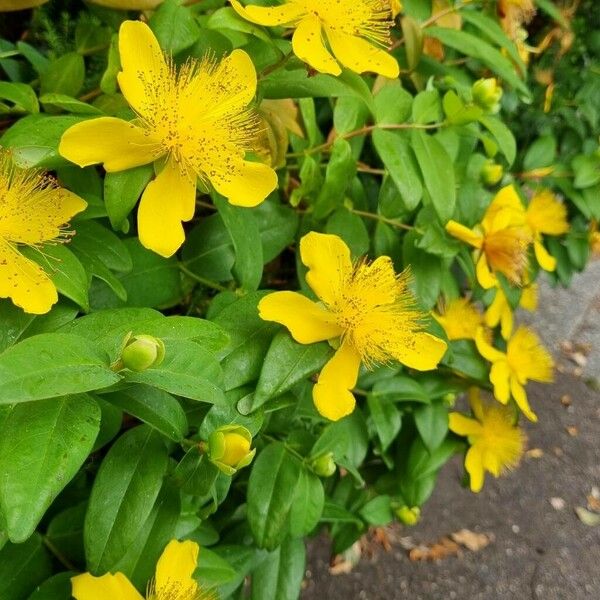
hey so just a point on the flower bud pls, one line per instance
(141, 352)
(491, 172)
(487, 94)
(324, 465)
(229, 448)
(408, 516)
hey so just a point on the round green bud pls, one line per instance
(486, 94)
(408, 516)
(491, 172)
(142, 352)
(324, 465)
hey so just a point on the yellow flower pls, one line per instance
(460, 319)
(354, 31)
(396, 7)
(173, 579)
(367, 306)
(33, 212)
(513, 14)
(546, 214)
(196, 121)
(502, 239)
(594, 237)
(497, 444)
(500, 312)
(525, 358)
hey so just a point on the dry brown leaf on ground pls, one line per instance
(471, 540)
(587, 517)
(443, 548)
(342, 564)
(534, 453)
(572, 430)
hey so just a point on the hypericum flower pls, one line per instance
(513, 14)
(34, 211)
(460, 319)
(196, 121)
(501, 239)
(491, 172)
(229, 448)
(354, 31)
(497, 444)
(173, 579)
(500, 312)
(547, 215)
(525, 358)
(396, 7)
(366, 306)
(487, 94)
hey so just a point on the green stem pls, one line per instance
(58, 554)
(297, 454)
(280, 63)
(392, 222)
(206, 282)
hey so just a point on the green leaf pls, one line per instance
(471, 45)
(378, 511)
(23, 567)
(213, 570)
(175, 26)
(154, 407)
(21, 95)
(395, 152)
(541, 153)
(503, 135)
(280, 575)
(271, 490)
(122, 190)
(308, 504)
(187, 370)
(57, 587)
(243, 229)
(438, 172)
(34, 140)
(65, 532)
(195, 474)
(427, 107)
(249, 339)
(13, 323)
(386, 418)
(42, 446)
(399, 388)
(64, 75)
(351, 228)
(287, 362)
(125, 489)
(52, 364)
(587, 170)
(393, 104)
(69, 104)
(432, 423)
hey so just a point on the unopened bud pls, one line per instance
(142, 352)
(229, 448)
(408, 516)
(324, 465)
(487, 94)
(491, 172)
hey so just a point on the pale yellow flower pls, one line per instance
(496, 443)
(34, 211)
(357, 32)
(195, 123)
(366, 307)
(460, 319)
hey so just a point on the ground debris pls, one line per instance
(534, 453)
(451, 545)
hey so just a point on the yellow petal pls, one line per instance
(360, 56)
(463, 425)
(245, 183)
(464, 234)
(175, 568)
(269, 15)
(308, 45)
(329, 264)
(421, 351)
(113, 587)
(500, 378)
(545, 260)
(505, 210)
(115, 143)
(485, 349)
(485, 277)
(306, 321)
(474, 467)
(547, 214)
(499, 312)
(167, 201)
(520, 396)
(332, 394)
(25, 282)
(528, 356)
(529, 297)
(475, 403)
(143, 65)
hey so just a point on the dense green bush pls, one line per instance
(222, 365)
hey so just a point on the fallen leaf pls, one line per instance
(534, 453)
(471, 540)
(566, 400)
(444, 548)
(557, 503)
(345, 562)
(572, 430)
(380, 536)
(587, 517)
(593, 503)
